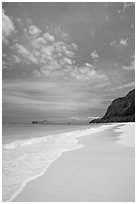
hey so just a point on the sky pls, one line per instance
(65, 61)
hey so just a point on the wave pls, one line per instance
(78, 133)
(25, 160)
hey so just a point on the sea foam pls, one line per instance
(24, 160)
(78, 133)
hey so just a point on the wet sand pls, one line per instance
(103, 170)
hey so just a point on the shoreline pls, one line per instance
(38, 175)
(105, 126)
(27, 181)
(75, 138)
(53, 184)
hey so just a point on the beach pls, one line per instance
(68, 101)
(99, 167)
(29, 150)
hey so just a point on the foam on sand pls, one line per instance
(102, 171)
(25, 160)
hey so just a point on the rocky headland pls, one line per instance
(120, 110)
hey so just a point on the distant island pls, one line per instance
(120, 110)
(43, 122)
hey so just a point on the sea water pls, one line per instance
(28, 150)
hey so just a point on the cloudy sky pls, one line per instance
(65, 61)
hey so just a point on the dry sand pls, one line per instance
(101, 171)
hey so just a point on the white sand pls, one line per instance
(25, 160)
(101, 171)
(127, 136)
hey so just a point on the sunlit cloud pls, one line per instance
(34, 31)
(49, 37)
(25, 53)
(94, 55)
(7, 27)
(124, 42)
(66, 60)
(120, 44)
(53, 58)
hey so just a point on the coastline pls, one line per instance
(36, 176)
(74, 140)
(59, 159)
(25, 183)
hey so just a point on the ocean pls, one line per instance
(28, 150)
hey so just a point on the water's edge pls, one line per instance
(71, 143)
(35, 177)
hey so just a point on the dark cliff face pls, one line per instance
(120, 110)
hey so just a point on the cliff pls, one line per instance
(120, 110)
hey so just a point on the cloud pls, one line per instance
(25, 53)
(131, 66)
(127, 5)
(67, 60)
(94, 55)
(75, 46)
(65, 49)
(58, 32)
(128, 85)
(44, 51)
(21, 49)
(87, 72)
(113, 43)
(124, 42)
(13, 59)
(119, 11)
(19, 20)
(16, 59)
(51, 57)
(49, 37)
(55, 95)
(7, 27)
(119, 44)
(34, 31)
(88, 65)
(38, 43)
(9, 61)
(4, 64)
(75, 118)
